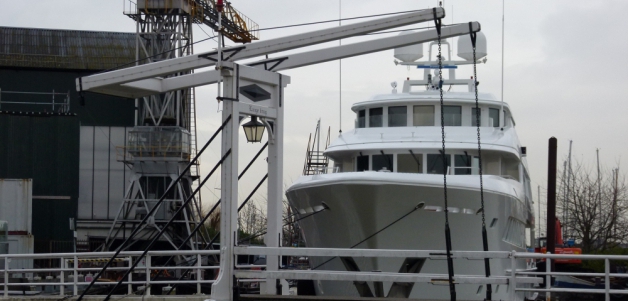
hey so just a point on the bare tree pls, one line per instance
(593, 207)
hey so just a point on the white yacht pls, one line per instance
(392, 162)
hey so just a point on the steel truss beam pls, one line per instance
(161, 85)
(110, 82)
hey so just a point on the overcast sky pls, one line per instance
(566, 64)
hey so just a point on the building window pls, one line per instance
(453, 115)
(397, 116)
(423, 116)
(475, 121)
(376, 117)
(361, 118)
(493, 117)
(382, 162)
(410, 163)
(362, 163)
(435, 163)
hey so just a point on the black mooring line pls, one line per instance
(487, 263)
(152, 211)
(163, 229)
(450, 263)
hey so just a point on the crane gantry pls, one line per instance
(164, 137)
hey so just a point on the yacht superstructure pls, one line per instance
(388, 174)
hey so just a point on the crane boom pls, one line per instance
(235, 25)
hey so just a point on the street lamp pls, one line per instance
(253, 130)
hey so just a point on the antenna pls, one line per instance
(340, 72)
(501, 114)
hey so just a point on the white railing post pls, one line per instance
(130, 286)
(607, 279)
(147, 289)
(62, 276)
(548, 277)
(7, 260)
(75, 271)
(198, 274)
(513, 279)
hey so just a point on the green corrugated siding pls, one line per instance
(45, 149)
(98, 110)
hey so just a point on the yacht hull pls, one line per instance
(362, 204)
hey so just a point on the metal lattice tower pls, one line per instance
(164, 137)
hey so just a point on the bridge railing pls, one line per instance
(69, 274)
(66, 279)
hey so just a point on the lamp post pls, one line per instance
(253, 130)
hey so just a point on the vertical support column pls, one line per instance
(129, 287)
(607, 279)
(275, 191)
(75, 272)
(63, 266)
(148, 264)
(551, 197)
(548, 277)
(512, 285)
(223, 287)
(7, 260)
(199, 274)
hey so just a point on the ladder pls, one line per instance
(316, 162)
(195, 170)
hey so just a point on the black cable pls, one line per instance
(450, 263)
(218, 234)
(370, 236)
(271, 28)
(338, 20)
(254, 235)
(152, 211)
(163, 229)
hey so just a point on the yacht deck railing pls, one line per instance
(66, 279)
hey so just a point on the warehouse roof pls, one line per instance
(65, 49)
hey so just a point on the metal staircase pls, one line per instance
(315, 160)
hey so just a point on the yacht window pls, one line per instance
(410, 163)
(361, 118)
(493, 116)
(474, 117)
(382, 162)
(462, 164)
(423, 116)
(453, 115)
(510, 168)
(362, 163)
(435, 163)
(375, 117)
(397, 116)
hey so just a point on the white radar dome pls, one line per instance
(409, 54)
(465, 49)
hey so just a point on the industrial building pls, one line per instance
(66, 146)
